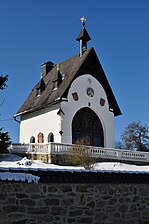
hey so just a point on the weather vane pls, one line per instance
(83, 20)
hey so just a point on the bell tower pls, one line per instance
(83, 37)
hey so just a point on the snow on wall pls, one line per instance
(23, 177)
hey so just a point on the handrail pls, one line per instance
(61, 148)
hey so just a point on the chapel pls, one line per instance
(72, 101)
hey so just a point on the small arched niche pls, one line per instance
(32, 139)
(40, 137)
(50, 137)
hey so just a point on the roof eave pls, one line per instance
(58, 100)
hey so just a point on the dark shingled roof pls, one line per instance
(83, 35)
(73, 67)
(41, 85)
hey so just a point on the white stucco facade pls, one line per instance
(45, 121)
(80, 85)
(49, 120)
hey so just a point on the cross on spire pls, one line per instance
(83, 20)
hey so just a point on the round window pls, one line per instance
(90, 92)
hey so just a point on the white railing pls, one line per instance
(60, 148)
(135, 155)
(38, 148)
(97, 152)
(18, 148)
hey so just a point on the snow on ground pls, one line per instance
(13, 161)
(120, 167)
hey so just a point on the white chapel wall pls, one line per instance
(47, 120)
(44, 121)
(70, 108)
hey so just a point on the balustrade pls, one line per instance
(19, 148)
(60, 148)
(38, 148)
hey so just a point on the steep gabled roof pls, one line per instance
(71, 68)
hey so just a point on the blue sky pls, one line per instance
(35, 31)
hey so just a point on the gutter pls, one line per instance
(58, 100)
(15, 118)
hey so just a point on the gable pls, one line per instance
(71, 68)
(93, 67)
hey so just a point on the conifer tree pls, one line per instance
(4, 136)
(4, 141)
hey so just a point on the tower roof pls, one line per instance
(83, 35)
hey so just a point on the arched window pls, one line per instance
(32, 139)
(40, 138)
(87, 127)
(50, 137)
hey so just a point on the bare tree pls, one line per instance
(3, 80)
(136, 137)
(81, 155)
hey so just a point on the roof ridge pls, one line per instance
(87, 51)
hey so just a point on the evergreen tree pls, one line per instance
(4, 141)
(4, 136)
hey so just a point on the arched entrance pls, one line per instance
(87, 127)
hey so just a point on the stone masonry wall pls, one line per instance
(22, 203)
(63, 159)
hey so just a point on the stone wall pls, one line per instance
(64, 159)
(74, 203)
